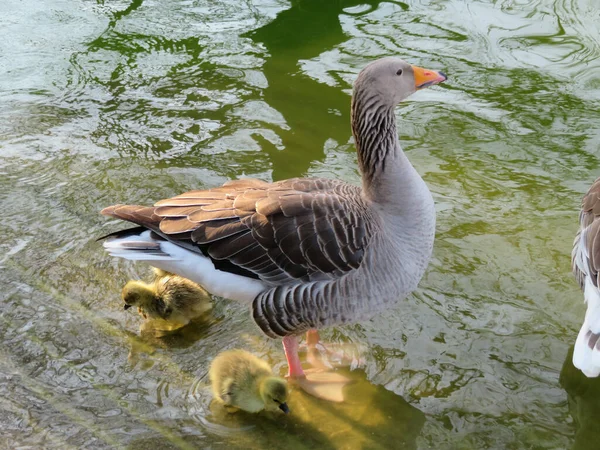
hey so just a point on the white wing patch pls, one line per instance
(586, 355)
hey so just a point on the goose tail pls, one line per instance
(137, 244)
(141, 244)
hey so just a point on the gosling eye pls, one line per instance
(399, 72)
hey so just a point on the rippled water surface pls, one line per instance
(104, 102)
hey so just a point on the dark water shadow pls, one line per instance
(314, 111)
(584, 404)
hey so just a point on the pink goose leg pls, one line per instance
(324, 385)
(290, 347)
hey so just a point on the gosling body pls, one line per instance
(241, 380)
(170, 298)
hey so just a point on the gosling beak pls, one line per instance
(126, 306)
(425, 77)
(284, 407)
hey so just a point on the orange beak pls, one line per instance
(424, 77)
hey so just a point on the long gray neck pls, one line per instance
(380, 158)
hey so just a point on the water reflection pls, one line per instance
(584, 404)
(153, 336)
(371, 417)
(304, 31)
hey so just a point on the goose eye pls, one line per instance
(399, 72)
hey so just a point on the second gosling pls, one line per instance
(241, 380)
(168, 297)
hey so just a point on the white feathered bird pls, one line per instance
(585, 262)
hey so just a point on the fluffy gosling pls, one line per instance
(240, 380)
(168, 297)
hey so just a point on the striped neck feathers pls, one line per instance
(375, 136)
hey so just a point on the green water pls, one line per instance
(104, 102)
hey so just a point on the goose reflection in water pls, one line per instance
(584, 404)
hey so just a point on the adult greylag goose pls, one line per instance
(304, 253)
(585, 262)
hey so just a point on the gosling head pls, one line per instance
(392, 80)
(136, 293)
(274, 393)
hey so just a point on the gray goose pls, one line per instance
(304, 253)
(585, 262)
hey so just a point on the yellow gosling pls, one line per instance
(240, 380)
(170, 298)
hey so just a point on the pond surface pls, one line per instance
(105, 102)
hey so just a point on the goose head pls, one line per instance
(391, 80)
(274, 392)
(136, 293)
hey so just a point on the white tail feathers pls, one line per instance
(136, 248)
(586, 355)
(194, 266)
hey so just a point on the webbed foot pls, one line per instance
(321, 384)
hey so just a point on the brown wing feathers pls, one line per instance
(297, 229)
(588, 220)
(141, 215)
(590, 205)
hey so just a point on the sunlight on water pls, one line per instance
(136, 100)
